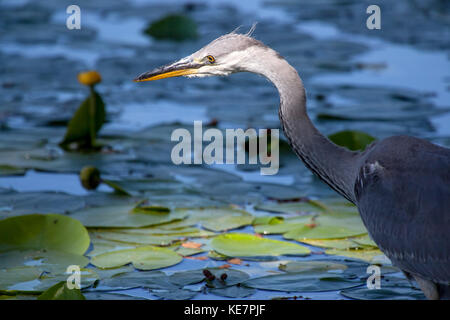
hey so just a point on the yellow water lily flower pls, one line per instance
(89, 78)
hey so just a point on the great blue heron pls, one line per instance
(401, 185)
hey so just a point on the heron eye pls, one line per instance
(211, 59)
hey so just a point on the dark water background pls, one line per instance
(385, 82)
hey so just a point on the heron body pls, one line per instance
(401, 185)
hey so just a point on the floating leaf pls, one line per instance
(220, 219)
(98, 295)
(247, 245)
(48, 260)
(360, 254)
(43, 232)
(154, 280)
(283, 225)
(178, 294)
(233, 292)
(390, 289)
(60, 291)
(364, 241)
(6, 170)
(340, 244)
(34, 279)
(320, 265)
(142, 258)
(38, 202)
(329, 226)
(173, 27)
(122, 216)
(351, 139)
(134, 239)
(303, 281)
(292, 207)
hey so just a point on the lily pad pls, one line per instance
(247, 245)
(43, 232)
(173, 27)
(60, 291)
(233, 292)
(360, 254)
(34, 279)
(320, 265)
(390, 289)
(142, 258)
(303, 281)
(122, 216)
(220, 219)
(153, 280)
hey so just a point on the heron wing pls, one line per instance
(403, 195)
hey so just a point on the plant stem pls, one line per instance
(92, 114)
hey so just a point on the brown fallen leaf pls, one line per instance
(235, 261)
(197, 258)
(225, 266)
(191, 245)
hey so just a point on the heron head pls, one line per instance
(228, 54)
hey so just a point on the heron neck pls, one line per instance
(333, 164)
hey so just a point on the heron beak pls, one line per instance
(180, 68)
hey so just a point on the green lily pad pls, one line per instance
(135, 239)
(178, 294)
(173, 27)
(153, 280)
(303, 281)
(220, 219)
(233, 292)
(340, 244)
(48, 260)
(320, 265)
(34, 279)
(142, 258)
(6, 170)
(292, 207)
(43, 232)
(122, 216)
(14, 203)
(390, 289)
(60, 291)
(360, 254)
(247, 245)
(281, 226)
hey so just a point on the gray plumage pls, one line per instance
(401, 185)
